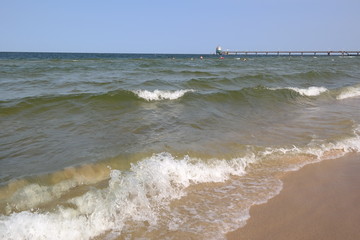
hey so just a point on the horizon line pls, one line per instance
(103, 52)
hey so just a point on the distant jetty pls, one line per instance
(219, 51)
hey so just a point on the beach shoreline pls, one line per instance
(320, 201)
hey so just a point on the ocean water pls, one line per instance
(151, 146)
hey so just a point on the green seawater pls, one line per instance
(144, 132)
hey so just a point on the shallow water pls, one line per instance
(114, 146)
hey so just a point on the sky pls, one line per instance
(183, 26)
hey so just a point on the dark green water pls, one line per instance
(161, 146)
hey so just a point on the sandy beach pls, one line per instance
(320, 201)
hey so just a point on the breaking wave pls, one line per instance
(349, 92)
(310, 91)
(157, 95)
(143, 194)
(135, 195)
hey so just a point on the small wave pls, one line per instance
(188, 73)
(315, 75)
(310, 91)
(198, 73)
(118, 95)
(249, 95)
(321, 151)
(23, 194)
(157, 95)
(349, 92)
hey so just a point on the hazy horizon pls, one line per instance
(187, 27)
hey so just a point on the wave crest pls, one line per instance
(349, 92)
(310, 91)
(157, 95)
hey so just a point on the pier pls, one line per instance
(289, 53)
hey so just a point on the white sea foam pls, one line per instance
(319, 151)
(310, 91)
(135, 195)
(140, 194)
(349, 92)
(32, 195)
(157, 95)
(350, 144)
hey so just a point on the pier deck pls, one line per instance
(301, 53)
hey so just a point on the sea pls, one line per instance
(162, 146)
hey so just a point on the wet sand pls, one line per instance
(320, 201)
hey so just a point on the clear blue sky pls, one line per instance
(183, 26)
